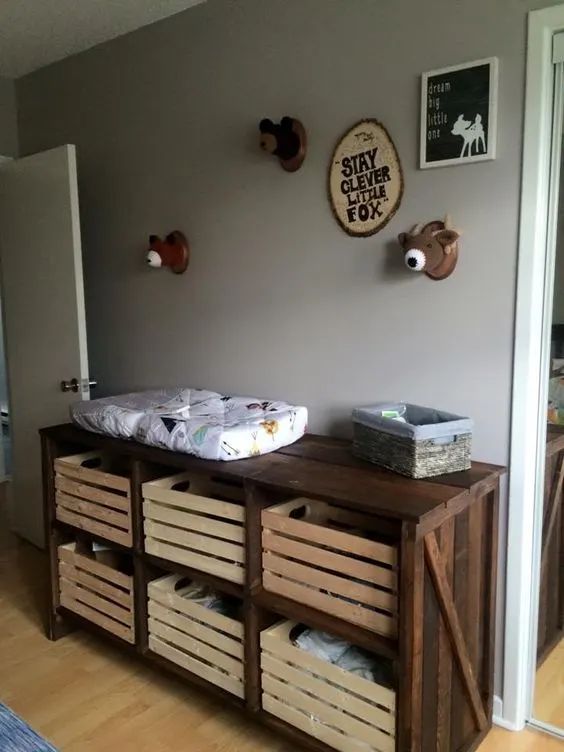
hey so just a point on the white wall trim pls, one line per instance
(547, 728)
(528, 411)
(498, 718)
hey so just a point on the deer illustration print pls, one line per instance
(472, 134)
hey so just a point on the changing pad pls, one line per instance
(195, 421)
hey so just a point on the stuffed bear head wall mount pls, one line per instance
(286, 140)
(173, 252)
(431, 248)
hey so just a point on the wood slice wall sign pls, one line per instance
(365, 179)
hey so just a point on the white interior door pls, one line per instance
(44, 318)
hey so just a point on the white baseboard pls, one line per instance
(498, 718)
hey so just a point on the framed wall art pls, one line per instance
(459, 114)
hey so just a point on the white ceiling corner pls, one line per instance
(35, 33)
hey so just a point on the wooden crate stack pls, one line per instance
(306, 537)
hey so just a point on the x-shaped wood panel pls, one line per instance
(437, 570)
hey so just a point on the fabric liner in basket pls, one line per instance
(427, 442)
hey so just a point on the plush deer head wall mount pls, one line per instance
(431, 248)
(173, 252)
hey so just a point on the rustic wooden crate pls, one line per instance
(198, 639)
(196, 521)
(314, 553)
(90, 497)
(97, 592)
(336, 706)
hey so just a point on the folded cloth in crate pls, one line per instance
(341, 653)
(209, 598)
(195, 421)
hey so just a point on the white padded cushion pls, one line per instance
(195, 421)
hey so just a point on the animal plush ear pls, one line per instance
(447, 237)
(287, 123)
(402, 238)
(433, 227)
(266, 126)
(153, 239)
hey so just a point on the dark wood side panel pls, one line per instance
(444, 657)
(460, 712)
(411, 627)
(432, 620)
(459, 627)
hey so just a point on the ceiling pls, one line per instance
(34, 33)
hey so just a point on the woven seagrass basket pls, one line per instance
(429, 443)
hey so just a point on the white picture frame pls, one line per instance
(451, 100)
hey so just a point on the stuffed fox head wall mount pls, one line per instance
(173, 252)
(431, 248)
(286, 140)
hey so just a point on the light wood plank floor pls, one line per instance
(85, 696)
(549, 689)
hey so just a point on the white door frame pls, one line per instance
(530, 383)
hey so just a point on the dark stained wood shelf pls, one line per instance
(318, 466)
(339, 452)
(443, 536)
(300, 612)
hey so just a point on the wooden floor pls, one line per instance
(549, 689)
(84, 696)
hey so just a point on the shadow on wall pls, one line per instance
(391, 265)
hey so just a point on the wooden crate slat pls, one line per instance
(229, 683)
(97, 618)
(92, 493)
(162, 591)
(196, 648)
(227, 571)
(348, 702)
(355, 519)
(68, 555)
(326, 714)
(329, 560)
(197, 630)
(99, 586)
(213, 485)
(309, 726)
(106, 607)
(364, 617)
(273, 519)
(71, 467)
(196, 523)
(92, 526)
(208, 487)
(196, 541)
(194, 502)
(308, 575)
(94, 511)
(276, 641)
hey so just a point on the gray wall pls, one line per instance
(278, 301)
(8, 119)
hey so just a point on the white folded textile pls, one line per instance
(348, 657)
(195, 421)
